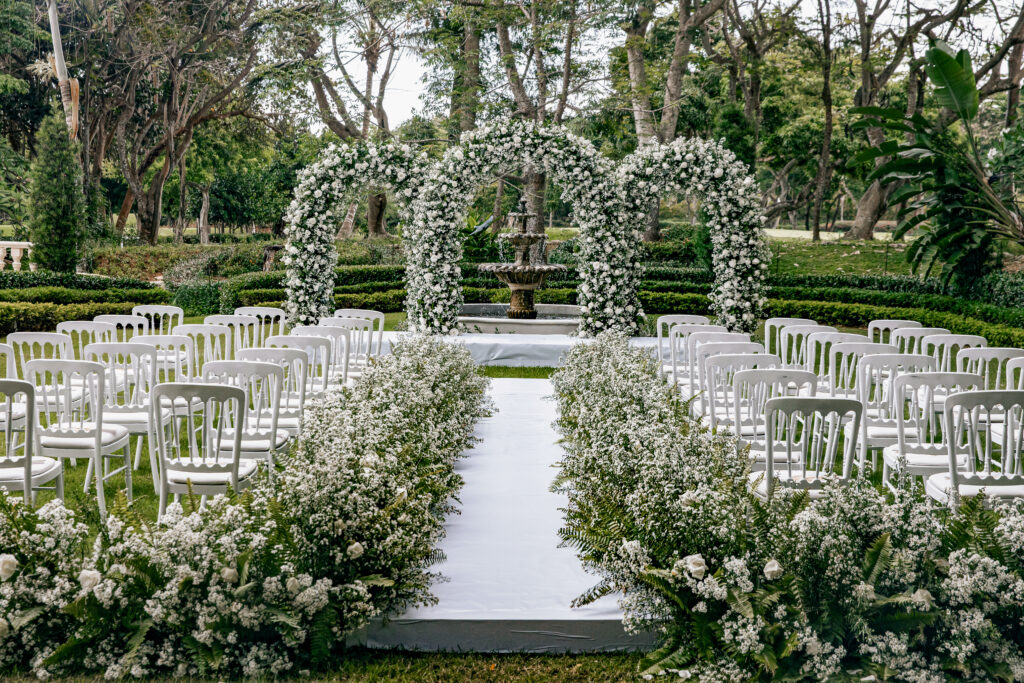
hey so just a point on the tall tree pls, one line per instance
(56, 201)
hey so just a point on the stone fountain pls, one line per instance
(523, 276)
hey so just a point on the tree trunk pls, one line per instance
(203, 226)
(652, 233)
(496, 212)
(179, 225)
(535, 186)
(824, 165)
(149, 214)
(375, 209)
(469, 93)
(869, 209)
(349, 224)
(122, 215)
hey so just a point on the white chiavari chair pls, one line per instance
(295, 365)
(719, 378)
(127, 325)
(162, 318)
(85, 332)
(689, 379)
(212, 342)
(341, 347)
(945, 348)
(376, 317)
(880, 331)
(773, 329)
(793, 346)
(27, 472)
(319, 351)
(272, 320)
(245, 329)
(175, 357)
(752, 389)
(664, 324)
(908, 339)
(842, 365)
(678, 369)
(991, 362)
(702, 352)
(361, 334)
(816, 357)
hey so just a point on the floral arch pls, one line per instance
(324, 190)
(707, 169)
(609, 251)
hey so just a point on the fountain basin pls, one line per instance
(493, 319)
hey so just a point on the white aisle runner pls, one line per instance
(509, 584)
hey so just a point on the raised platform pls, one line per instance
(520, 350)
(509, 585)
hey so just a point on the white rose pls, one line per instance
(88, 578)
(229, 574)
(355, 551)
(292, 584)
(772, 570)
(8, 565)
(340, 526)
(695, 565)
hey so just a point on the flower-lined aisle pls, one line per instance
(854, 585)
(267, 582)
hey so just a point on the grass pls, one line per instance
(800, 257)
(525, 373)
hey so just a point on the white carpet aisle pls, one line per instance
(509, 584)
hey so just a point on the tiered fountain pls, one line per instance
(523, 276)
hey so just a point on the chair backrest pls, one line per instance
(752, 389)
(262, 384)
(213, 416)
(341, 346)
(272, 320)
(162, 318)
(377, 318)
(85, 332)
(361, 336)
(690, 369)
(127, 325)
(842, 364)
(945, 347)
(318, 352)
(920, 419)
(990, 430)
(29, 346)
(773, 328)
(666, 322)
(719, 373)
(245, 329)
(7, 361)
(212, 342)
(819, 344)
(69, 397)
(802, 440)
(130, 371)
(792, 343)
(1014, 375)
(175, 358)
(880, 331)
(876, 377)
(295, 365)
(678, 344)
(990, 362)
(17, 396)
(702, 352)
(908, 339)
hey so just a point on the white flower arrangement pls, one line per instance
(852, 585)
(267, 582)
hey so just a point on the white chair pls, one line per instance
(842, 365)
(990, 362)
(212, 342)
(26, 472)
(818, 346)
(68, 432)
(162, 318)
(1014, 375)
(876, 375)
(319, 351)
(341, 347)
(665, 323)
(361, 334)
(295, 365)
(773, 328)
(908, 339)
(702, 352)
(880, 331)
(27, 346)
(272, 321)
(921, 430)
(130, 377)
(992, 427)
(688, 373)
(200, 458)
(127, 325)
(945, 347)
(245, 329)
(792, 343)
(262, 384)
(11, 421)
(377, 318)
(678, 367)
(175, 358)
(85, 332)
(802, 444)
(719, 377)
(752, 389)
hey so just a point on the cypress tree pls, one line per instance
(56, 201)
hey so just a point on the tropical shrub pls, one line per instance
(268, 582)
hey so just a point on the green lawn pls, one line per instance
(800, 257)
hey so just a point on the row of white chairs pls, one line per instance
(212, 399)
(791, 399)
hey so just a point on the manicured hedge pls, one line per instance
(25, 317)
(23, 279)
(64, 295)
(199, 299)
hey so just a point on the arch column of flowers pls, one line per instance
(730, 204)
(609, 258)
(324, 191)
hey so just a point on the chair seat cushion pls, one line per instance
(920, 462)
(18, 412)
(255, 443)
(71, 440)
(809, 481)
(937, 486)
(246, 468)
(42, 469)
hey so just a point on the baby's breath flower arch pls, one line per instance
(609, 257)
(729, 200)
(324, 190)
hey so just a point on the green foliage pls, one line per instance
(44, 317)
(63, 295)
(199, 298)
(23, 279)
(56, 199)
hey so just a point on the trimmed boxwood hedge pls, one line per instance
(23, 279)
(44, 317)
(65, 295)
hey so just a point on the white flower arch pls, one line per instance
(324, 190)
(609, 258)
(729, 201)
